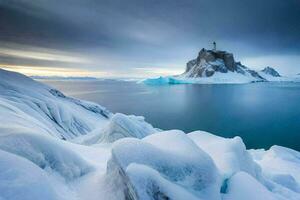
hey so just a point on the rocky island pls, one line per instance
(209, 62)
(216, 66)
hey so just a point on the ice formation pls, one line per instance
(55, 147)
(164, 165)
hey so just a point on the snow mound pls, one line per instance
(119, 126)
(45, 152)
(22, 180)
(281, 165)
(231, 157)
(234, 157)
(244, 186)
(166, 165)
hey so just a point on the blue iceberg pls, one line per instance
(165, 81)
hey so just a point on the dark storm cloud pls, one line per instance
(145, 33)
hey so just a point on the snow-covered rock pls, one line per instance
(234, 157)
(210, 62)
(212, 67)
(166, 165)
(271, 74)
(271, 71)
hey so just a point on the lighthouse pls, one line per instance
(214, 46)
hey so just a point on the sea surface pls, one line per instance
(262, 114)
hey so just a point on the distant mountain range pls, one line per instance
(212, 66)
(85, 78)
(270, 71)
(64, 77)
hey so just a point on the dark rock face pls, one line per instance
(57, 93)
(209, 73)
(206, 55)
(271, 71)
(229, 62)
(190, 64)
(208, 62)
(212, 56)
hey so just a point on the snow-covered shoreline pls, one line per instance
(217, 79)
(58, 148)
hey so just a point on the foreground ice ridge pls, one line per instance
(150, 169)
(198, 165)
(30, 103)
(55, 147)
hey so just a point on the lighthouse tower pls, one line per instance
(214, 46)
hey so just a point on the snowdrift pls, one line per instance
(119, 126)
(234, 157)
(45, 152)
(22, 180)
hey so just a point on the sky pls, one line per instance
(144, 38)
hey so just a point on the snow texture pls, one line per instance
(158, 167)
(22, 180)
(45, 152)
(55, 114)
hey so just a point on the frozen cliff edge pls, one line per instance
(54, 147)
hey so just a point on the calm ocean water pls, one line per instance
(263, 114)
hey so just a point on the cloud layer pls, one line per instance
(122, 37)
